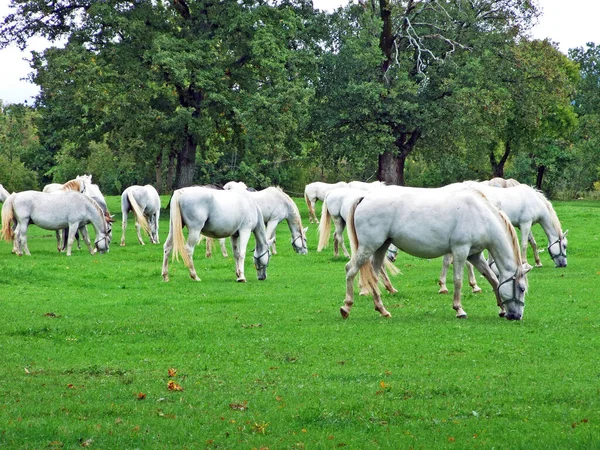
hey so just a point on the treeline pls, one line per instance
(184, 92)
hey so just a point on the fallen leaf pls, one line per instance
(172, 386)
(141, 396)
(239, 406)
(87, 442)
(172, 372)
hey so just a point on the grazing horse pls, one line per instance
(144, 201)
(78, 184)
(336, 207)
(216, 214)
(3, 193)
(276, 206)
(365, 186)
(56, 211)
(317, 191)
(429, 223)
(501, 182)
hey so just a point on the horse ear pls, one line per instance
(305, 230)
(271, 241)
(565, 233)
(526, 268)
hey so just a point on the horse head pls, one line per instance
(261, 260)
(299, 242)
(558, 250)
(512, 293)
(102, 243)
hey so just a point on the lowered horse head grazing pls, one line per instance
(144, 201)
(216, 214)
(69, 209)
(429, 223)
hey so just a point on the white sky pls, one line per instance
(570, 23)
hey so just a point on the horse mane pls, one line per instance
(553, 216)
(510, 230)
(73, 185)
(95, 204)
(297, 216)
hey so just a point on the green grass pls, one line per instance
(272, 364)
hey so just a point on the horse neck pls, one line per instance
(260, 231)
(293, 216)
(550, 223)
(504, 248)
(97, 217)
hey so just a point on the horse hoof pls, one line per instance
(344, 313)
(538, 265)
(461, 316)
(122, 244)
(165, 278)
(393, 291)
(476, 290)
(386, 314)
(241, 280)
(443, 291)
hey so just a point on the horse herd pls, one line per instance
(458, 222)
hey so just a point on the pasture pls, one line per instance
(87, 345)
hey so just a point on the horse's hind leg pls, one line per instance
(190, 245)
(123, 226)
(536, 255)
(446, 261)
(239, 244)
(379, 267)
(167, 249)
(138, 230)
(338, 237)
(271, 228)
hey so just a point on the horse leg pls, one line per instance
(86, 238)
(223, 248)
(446, 261)
(536, 255)
(338, 237)
(59, 245)
(472, 280)
(209, 246)
(379, 267)
(167, 249)
(239, 245)
(458, 265)
(271, 228)
(313, 203)
(71, 238)
(21, 239)
(525, 231)
(138, 230)
(123, 227)
(192, 240)
(482, 266)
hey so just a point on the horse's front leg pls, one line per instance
(271, 229)
(472, 280)
(482, 266)
(536, 255)
(86, 238)
(223, 248)
(459, 265)
(446, 261)
(525, 232)
(239, 244)
(71, 238)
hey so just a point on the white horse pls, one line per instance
(501, 182)
(524, 206)
(216, 214)
(144, 201)
(54, 211)
(3, 194)
(276, 206)
(366, 186)
(429, 223)
(317, 191)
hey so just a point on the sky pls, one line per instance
(570, 26)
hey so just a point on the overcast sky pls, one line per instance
(570, 23)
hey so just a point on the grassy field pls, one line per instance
(87, 344)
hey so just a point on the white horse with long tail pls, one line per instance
(55, 211)
(317, 191)
(216, 214)
(144, 201)
(429, 223)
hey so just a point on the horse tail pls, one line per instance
(8, 216)
(368, 277)
(324, 227)
(177, 230)
(311, 210)
(137, 212)
(391, 268)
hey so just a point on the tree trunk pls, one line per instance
(540, 177)
(391, 168)
(498, 167)
(186, 163)
(158, 171)
(171, 169)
